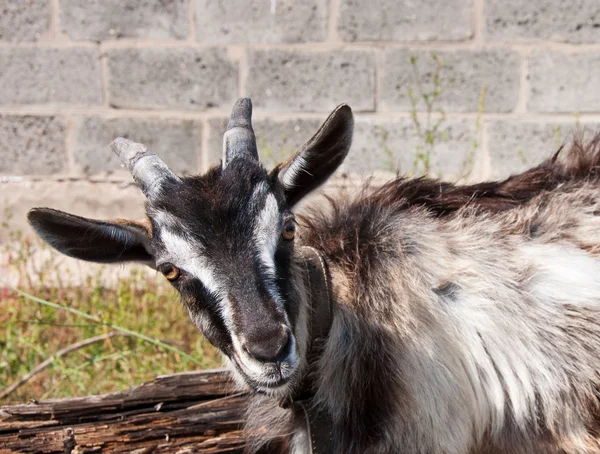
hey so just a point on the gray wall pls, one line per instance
(74, 74)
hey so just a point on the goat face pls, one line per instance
(225, 240)
(226, 243)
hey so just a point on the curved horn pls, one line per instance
(147, 169)
(239, 140)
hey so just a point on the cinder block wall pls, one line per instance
(74, 74)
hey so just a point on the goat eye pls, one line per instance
(289, 230)
(170, 271)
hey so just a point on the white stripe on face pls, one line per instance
(266, 233)
(165, 219)
(191, 260)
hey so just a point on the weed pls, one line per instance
(159, 336)
(522, 156)
(470, 157)
(271, 157)
(428, 130)
(556, 134)
(432, 130)
(391, 162)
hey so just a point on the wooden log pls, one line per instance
(197, 412)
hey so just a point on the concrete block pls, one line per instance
(462, 75)
(259, 21)
(307, 81)
(97, 200)
(177, 142)
(405, 20)
(541, 20)
(32, 145)
(113, 19)
(181, 78)
(564, 82)
(393, 145)
(515, 146)
(277, 139)
(22, 20)
(39, 75)
(379, 145)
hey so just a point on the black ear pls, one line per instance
(92, 240)
(318, 158)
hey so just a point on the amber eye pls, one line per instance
(170, 271)
(289, 230)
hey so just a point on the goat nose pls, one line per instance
(272, 348)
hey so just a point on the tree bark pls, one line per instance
(197, 412)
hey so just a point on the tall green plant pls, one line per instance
(428, 130)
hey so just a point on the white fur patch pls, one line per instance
(267, 229)
(189, 258)
(165, 219)
(186, 256)
(511, 368)
(266, 233)
(301, 440)
(564, 274)
(290, 175)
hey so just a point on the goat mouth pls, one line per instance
(270, 379)
(274, 386)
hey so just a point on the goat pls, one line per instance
(465, 319)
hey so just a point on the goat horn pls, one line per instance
(239, 140)
(147, 169)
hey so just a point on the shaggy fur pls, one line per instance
(467, 318)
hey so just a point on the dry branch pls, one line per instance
(59, 354)
(189, 412)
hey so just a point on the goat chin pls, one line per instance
(471, 331)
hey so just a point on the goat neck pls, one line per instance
(317, 281)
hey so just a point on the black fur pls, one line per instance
(321, 156)
(90, 239)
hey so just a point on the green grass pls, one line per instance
(46, 316)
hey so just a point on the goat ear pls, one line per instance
(318, 158)
(92, 240)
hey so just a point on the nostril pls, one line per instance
(270, 349)
(285, 344)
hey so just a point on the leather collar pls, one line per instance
(317, 281)
(321, 310)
